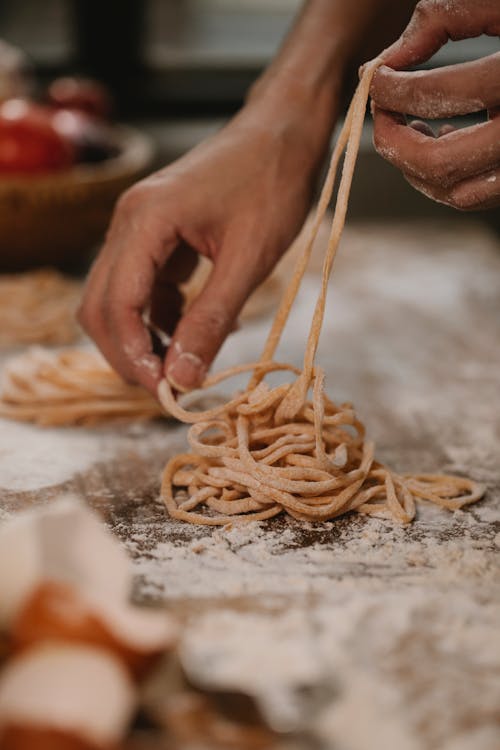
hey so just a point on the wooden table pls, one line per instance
(399, 627)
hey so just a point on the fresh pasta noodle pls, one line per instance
(289, 448)
(70, 387)
(38, 308)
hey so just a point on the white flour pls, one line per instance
(379, 655)
(376, 636)
(251, 561)
(387, 635)
(380, 664)
(32, 458)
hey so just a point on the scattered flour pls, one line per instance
(403, 670)
(381, 636)
(488, 514)
(33, 457)
(183, 562)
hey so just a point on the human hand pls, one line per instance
(238, 199)
(460, 168)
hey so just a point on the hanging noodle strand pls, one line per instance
(289, 448)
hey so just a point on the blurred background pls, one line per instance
(177, 69)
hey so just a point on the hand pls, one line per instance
(460, 168)
(238, 199)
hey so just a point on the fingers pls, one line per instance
(111, 313)
(426, 129)
(435, 22)
(478, 193)
(458, 167)
(443, 92)
(442, 161)
(208, 321)
(119, 290)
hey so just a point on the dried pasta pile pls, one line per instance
(71, 387)
(38, 308)
(289, 447)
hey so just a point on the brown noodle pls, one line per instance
(38, 308)
(274, 449)
(70, 387)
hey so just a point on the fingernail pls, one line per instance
(187, 372)
(422, 127)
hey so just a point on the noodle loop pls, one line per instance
(279, 449)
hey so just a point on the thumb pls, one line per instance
(206, 324)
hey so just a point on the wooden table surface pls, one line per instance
(402, 621)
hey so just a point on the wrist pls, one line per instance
(290, 109)
(288, 131)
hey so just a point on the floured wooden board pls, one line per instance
(374, 635)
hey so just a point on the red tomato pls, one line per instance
(83, 94)
(29, 143)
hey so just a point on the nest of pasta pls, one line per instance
(70, 387)
(248, 464)
(38, 308)
(289, 448)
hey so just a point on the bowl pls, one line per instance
(58, 218)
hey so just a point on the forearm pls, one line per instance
(330, 38)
